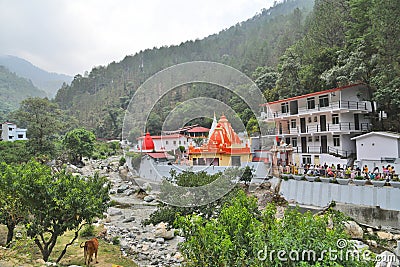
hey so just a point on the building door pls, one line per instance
(303, 125)
(216, 162)
(356, 122)
(294, 108)
(304, 144)
(322, 123)
(324, 144)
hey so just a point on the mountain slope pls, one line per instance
(13, 90)
(98, 100)
(48, 82)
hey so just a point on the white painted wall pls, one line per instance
(377, 146)
(10, 132)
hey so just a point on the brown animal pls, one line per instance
(91, 247)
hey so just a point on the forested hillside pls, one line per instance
(293, 48)
(98, 99)
(14, 89)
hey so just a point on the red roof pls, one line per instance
(311, 94)
(157, 155)
(199, 129)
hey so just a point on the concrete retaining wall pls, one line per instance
(321, 194)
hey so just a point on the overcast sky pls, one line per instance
(72, 36)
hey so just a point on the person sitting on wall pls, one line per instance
(330, 173)
(365, 171)
(384, 171)
(348, 172)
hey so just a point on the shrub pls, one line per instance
(122, 161)
(88, 230)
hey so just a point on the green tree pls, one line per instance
(167, 213)
(58, 203)
(247, 175)
(12, 210)
(14, 152)
(80, 143)
(43, 120)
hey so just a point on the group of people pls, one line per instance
(339, 171)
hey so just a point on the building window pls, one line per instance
(166, 142)
(235, 160)
(10, 129)
(294, 142)
(317, 139)
(179, 142)
(306, 159)
(174, 142)
(323, 101)
(336, 140)
(310, 139)
(309, 119)
(10, 137)
(20, 136)
(293, 124)
(285, 107)
(335, 118)
(184, 142)
(310, 103)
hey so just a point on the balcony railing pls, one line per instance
(323, 150)
(351, 105)
(317, 128)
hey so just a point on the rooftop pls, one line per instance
(312, 94)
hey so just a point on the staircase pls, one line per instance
(343, 154)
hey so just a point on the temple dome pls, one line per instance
(148, 143)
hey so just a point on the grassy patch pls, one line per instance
(25, 253)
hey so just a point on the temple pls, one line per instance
(224, 148)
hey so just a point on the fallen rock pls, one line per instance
(385, 235)
(372, 243)
(114, 211)
(122, 188)
(161, 231)
(149, 198)
(128, 220)
(387, 259)
(353, 229)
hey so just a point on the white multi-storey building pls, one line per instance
(10, 132)
(320, 125)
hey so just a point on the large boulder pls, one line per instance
(385, 235)
(353, 229)
(161, 231)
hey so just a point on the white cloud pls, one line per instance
(73, 36)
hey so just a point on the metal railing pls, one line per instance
(323, 150)
(318, 128)
(351, 105)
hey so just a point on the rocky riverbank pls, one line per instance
(157, 246)
(146, 245)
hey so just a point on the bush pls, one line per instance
(88, 230)
(115, 240)
(122, 161)
(242, 237)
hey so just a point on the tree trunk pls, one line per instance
(10, 233)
